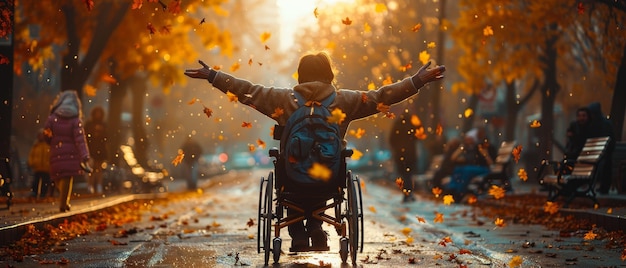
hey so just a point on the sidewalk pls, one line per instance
(26, 211)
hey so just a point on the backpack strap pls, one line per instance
(326, 102)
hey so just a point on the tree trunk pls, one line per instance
(618, 104)
(117, 93)
(512, 109)
(549, 90)
(138, 92)
(78, 70)
(6, 95)
(436, 90)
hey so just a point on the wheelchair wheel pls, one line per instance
(264, 226)
(355, 216)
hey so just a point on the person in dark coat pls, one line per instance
(96, 129)
(193, 152)
(403, 143)
(69, 154)
(577, 133)
(602, 127)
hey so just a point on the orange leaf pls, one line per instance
(261, 143)
(357, 133)
(231, 97)
(234, 67)
(590, 235)
(192, 101)
(278, 112)
(421, 220)
(400, 182)
(108, 78)
(551, 207)
(89, 4)
(178, 158)
(363, 97)
(522, 174)
(465, 251)
(381, 107)
(251, 147)
(438, 218)
(472, 199)
(416, 27)
(517, 153)
(387, 81)
(535, 124)
(336, 116)
(207, 111)
(499, 222)
(516, 261)
(246, 124)
(346, 21)
(496, 192)
(437, 191)
(265, 36)
(250, 62)
(47, 132)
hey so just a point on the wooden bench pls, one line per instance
(581, 181)
(425, 181)
(499, 172)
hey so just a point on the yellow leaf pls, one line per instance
(320, 172)
(551, 207)
(409, 240)
(590, 235)
(448, 199)
(496, 192)
(522, 174)
(487, 31)
(516, 261)
(371, 86)
(499, 222)
(265, 36)
(234, 67)
(372, 209)
(356, 155)
(424, 57)
(336, 116)
(468, 112)
(357, 133)
(231, 97)
(415, 120)
(406, 231)
(535, 124)
(380, 8)
(251, 236)
(431, 45)
(387, 81)
(178, 158)
(367, 28)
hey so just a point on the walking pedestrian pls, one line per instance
(95, 130)
(403, 143)
(69, 154)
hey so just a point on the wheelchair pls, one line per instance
(277, 194)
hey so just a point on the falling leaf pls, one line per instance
(151, 28)
(320, 172)
(431, 45)
(487, 31)
(234, 67)
(522, 174)
(517, 153)
(251, 147)
(381, 107)
(406, 231)
(515, 262)
(400, 183)
(246, 124)
(406, 67)
(108, 78)
(535, 124)
(424, 57)
(315, 13)
(472, 199)
(346, 21)
(496, 191)
(231, 97)
(590, 235)
(409, 240)
(250, 62)
(166, 29)
(372, 209)
(551, 207)
(370, 86)
(216, 67)
(278, 112)
(416, 27)
(192, 101)
(179, 158)
(444, 241)
(380, 8)
(415, 120)
(387, 81)
(137, 4)
(420, 133)
(357, 133)
(448, 199)
(438, 218)
(260, 143)
(47, 132)
(367, 28)
(421, 220)
(609, 211)
(437, 191)
(202, 21)
(207, 111)
(4, 60)
(267, 47)
(336, 116)
(468, 112)
(356, 155)
(90, 90)
(265, 36)
(499, 222)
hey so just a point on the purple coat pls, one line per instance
(68, 146)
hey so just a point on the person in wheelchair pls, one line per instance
(315, 84)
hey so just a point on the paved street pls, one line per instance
(217, 227)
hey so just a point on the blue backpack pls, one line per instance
(309, 138)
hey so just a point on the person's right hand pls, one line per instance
(201, 73)
(428, 74)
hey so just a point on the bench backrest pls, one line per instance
(591, 154)
(504, 156)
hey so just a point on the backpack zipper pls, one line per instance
(312, 108)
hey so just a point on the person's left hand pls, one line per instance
(201, 73)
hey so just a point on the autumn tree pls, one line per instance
(114, 42)
(6, 74)
(543, 52)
